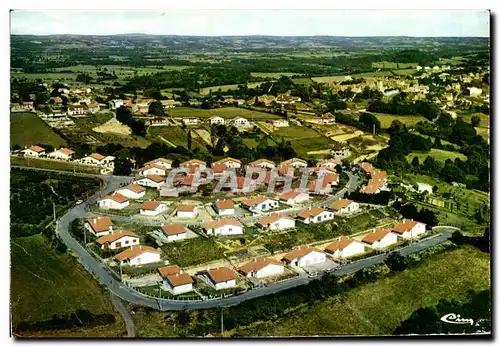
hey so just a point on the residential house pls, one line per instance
(314, 215)
(224, 207)
(99, 226)
(380, 238)
(98, 160)
(229, 163)
(194, 163)
(240, 121)
(216, 120)
(176, 280)
(409, 229)
(285, 99)
(187, 211)
(161, 162)
(158, 121)
(472, 91)
(330, 163)
(259, 204)
(264, 163)
(262, 268)
(61, 153)
(424, 187)
(153, 181)
(295, 163)
(118, 239)
(343, 206)
(132, 191)
(152, 169)
(93, 107)
(170, 103)
(340, 150)
(114, 201)
(344, 248)
(174, 232)
(366, 167)
(276, 221)
(56, 100)
(116, 103)
(279, 123)
(25, 106)
(152, 208)
(221, 278)
(305, 256)
(138, 255)
(190, 121)
(223, 227)
(292, 198)
(77, 110)
(374, 186)
(34, 151)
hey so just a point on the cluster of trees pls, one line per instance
(427, 320)
(410, 211)
(124, 115)
(398, 106)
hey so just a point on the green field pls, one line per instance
(303, 139)
(386, 119)
(45, 283)
(303, 80)
(193, 251)
(27, 129)
(52, 164)
(438, 154)
(273, 74)
(378, 308)
(175, 135)
(227, 87)
(337, 79)
(392, 65)
(224, 112)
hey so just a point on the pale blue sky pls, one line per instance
(254, 22)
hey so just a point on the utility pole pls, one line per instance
(121, 271)
(54, 209)
(84, 238)
(373, 129)
(222, 322)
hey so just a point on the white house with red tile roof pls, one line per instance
(165, 163)
(174, 232)
(34, 151)
(344, 247)
(223, 227)
(260, 203)
(221, 278)
(305, 256)
(187, 211)
(240, 121)
(194, 163)
(380, 238)
(61, 154)
(330, 163)
(293, 198)
(97, 159)
(99, 226)
(276, 221)
(138, 255)
(295, 163)
(114, 201)
(118, 239)
(152, 169)
(224, 207)
(262, 268)
(216, 120)
(408, 229)
(179, 283)
(153, 181)
(152, 208)
(132, 191)
(229, 163)
(314, 215)
(263, 163)
(343, 206)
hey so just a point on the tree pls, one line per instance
(156, 109)
(475, 121)
(338, 169)
(123, 167)
(84, 78)
(415, 163)
(369, 121)
(396, 262)
(189, 140)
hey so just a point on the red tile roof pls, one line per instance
(376, 235)
(66, 151)
(221, 274)
(135, 188)
(97, 156)
(156, 178)
(169, 270)
(311, 212)
(340, 244)
(115, 236)
(404, 226)
(273, 217)
(37, 149)
(299, 253)
(257, 264)
(133, 252)
(186, 208)
(220, 223)
(100, 224)
(224, 204)
(117, 197)
(150, 205)
(339, 204)
(179, 279)
(174, 229)
(255, 200)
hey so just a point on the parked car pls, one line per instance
(313, 274)
(79, 202)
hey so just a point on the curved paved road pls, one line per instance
(101, 272)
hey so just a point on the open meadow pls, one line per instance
(224, 112)
(386, 119)
(27, 129)
(303, 139)
(438, 154)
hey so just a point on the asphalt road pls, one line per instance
(100, 271)
(129, 323)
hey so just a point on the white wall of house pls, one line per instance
(353, 206)
(161, 208)
(187, 214)
(225, 211)
(297, 200)
(217, 120)
(164, 164)
(130, 193)
(90, 161)
(226, 230)
(185, 288)
(353, 249)
(175, 237)
(146, 182)
(112, 204)
(145, 258)
(59, 155)
(153, 171)
(28, 152)
(310, 259)
(270, 270)
(222, 285)
(322, 217)
(124, 241)
(387, 240)
(282, 224)
(414, 232)
(87, 227)
(232, 165)
(264, 206)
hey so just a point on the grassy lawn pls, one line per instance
(438, 154)
(193, 251)
(27, 129)
(224, 112)
(227, 87)
(303, 80)
(52, 164)
(386, 119)
(377, 308)
(303, 139)
(45, 283)
(175, 135)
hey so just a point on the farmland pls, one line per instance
(224, 112)
(386, 119)
(27, 129)
(303, 139)
(45, 283)
(52, 165)
(223, 88)
(377, 308)
(175, 135)
(193, 251)
(438, 154)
